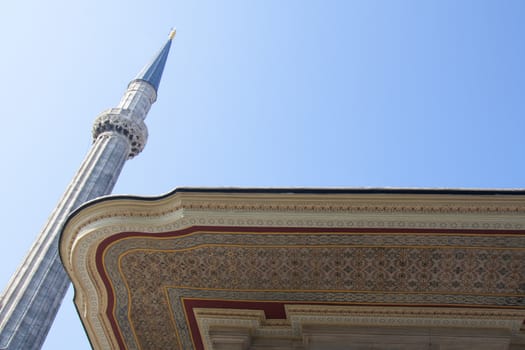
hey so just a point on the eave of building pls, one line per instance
(102, 234)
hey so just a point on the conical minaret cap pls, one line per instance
(152, 72)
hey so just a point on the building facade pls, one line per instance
(301, 269)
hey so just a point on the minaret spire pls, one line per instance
(31, 300)
(152, 72)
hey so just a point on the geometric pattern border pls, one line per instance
(357, 256)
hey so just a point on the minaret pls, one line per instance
(32, 298)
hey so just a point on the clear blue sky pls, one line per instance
(260, 93)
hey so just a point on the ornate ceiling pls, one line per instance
(205, 269)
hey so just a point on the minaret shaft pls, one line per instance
(34, 294)
(138, 98)
(36, 290)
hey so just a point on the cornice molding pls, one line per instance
(461, 214)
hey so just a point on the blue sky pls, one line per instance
(260, 94)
